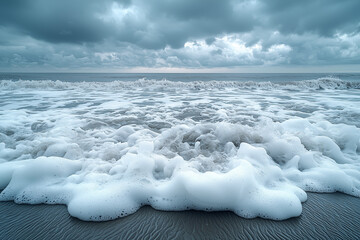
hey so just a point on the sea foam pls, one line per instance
(106, 149)
(317, 84)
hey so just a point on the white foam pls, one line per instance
(254, 152)
(316, 84)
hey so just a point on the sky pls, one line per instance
(180, 36)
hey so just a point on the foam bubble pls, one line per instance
(174, 146)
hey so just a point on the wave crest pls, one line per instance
(314, 84)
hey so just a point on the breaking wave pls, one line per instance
(105, 149)
(315, 84)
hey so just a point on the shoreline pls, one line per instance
(324, 216)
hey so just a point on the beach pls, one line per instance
(324, 216)
(179, 119)
(211, 155)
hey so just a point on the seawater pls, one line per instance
(107, 144)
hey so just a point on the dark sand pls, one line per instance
(325, 216)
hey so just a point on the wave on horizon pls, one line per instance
(315, 84)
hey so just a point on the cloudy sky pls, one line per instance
(180, 35)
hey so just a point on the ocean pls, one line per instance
(106, 144)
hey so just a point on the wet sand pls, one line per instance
(325, 216)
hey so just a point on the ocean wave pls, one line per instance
(314, 84)
(106, 152)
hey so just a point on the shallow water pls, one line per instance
(106, 148)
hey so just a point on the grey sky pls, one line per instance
(179, 35)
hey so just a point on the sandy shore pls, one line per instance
(325, 216)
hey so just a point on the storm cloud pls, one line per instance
(90, 34)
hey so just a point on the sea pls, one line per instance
(106, 144)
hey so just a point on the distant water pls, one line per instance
(106, 144)
(183, 77)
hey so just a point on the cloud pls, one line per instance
(149, 24)
(323, 17)
(56, 21)
(169, 33)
